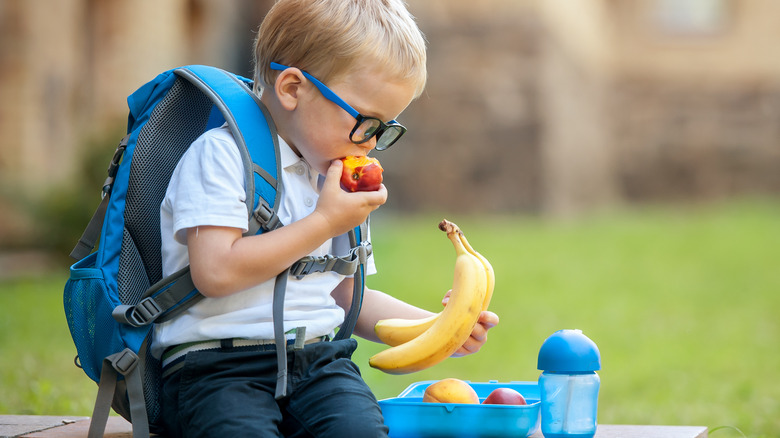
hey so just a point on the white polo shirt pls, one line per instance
(207, 188)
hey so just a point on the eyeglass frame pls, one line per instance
(333, 97)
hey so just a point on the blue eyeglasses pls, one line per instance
(365, 127)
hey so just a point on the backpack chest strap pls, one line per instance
(345, 265)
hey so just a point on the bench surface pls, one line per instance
(37, 426)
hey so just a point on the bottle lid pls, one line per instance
(569, 351)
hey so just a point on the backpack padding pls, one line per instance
(180, 118)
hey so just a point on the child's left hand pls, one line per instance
(487, 320)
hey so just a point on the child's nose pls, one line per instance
(370, 144)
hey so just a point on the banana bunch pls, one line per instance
(417, 344)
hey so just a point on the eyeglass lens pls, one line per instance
(369, 127)
(365, 130)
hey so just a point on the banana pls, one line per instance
(396, 331)
(491, 276)
(452, 327)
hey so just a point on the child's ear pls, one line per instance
(288, 87)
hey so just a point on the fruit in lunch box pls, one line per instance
(452, 327)
(504, 396)
(361, 174)
(450, 391)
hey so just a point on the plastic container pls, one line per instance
(569, 385)
(408, 416)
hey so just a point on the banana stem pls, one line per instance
(453, 233)
(449, 227)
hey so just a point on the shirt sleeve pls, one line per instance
(207, 187)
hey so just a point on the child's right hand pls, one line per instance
(346, 210)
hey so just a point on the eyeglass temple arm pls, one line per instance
(330, 95)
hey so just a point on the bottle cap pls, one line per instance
(569, 351)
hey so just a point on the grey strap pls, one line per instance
(300, 338)
(91, 234)
(346, 265)
(348, 326)
(105, 394)
(175, 294)
(353, 263)
(160, 301)
(358, 286)
(125, 363)
(89, 238)
(281, 341)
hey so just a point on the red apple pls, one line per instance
(361, 174)
(504, 396)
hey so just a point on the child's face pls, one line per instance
(323, 128)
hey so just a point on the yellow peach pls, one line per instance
(450, 391)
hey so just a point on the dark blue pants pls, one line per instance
(230, 393)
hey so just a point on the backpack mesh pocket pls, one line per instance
(88, 308)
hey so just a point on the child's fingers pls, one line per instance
(488, 319)
(334, 172)
(446, 298)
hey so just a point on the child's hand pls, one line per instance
(343, 210)
(487, 320)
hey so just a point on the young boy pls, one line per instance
(371, 55)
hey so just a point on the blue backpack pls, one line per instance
(115, 293)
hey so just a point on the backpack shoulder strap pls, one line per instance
(255, 134)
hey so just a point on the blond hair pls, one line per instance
(329, 38)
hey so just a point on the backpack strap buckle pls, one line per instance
(266, 216)
(124, 362)
(308, 264)
(143, 313)
(346, 265)
(146, 311)
(114, 165)
(363, 251)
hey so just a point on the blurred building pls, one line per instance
(548, 106)
(564, 106)
(67, 66)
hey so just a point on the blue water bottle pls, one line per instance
(569, 385)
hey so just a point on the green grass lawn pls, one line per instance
(683, 304)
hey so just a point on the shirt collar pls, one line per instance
(288, 157)
(291, 161)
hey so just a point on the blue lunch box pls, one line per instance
(408, 416)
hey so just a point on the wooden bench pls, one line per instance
(35, 426)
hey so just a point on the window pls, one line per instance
(691, 17)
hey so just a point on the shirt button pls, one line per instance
(299, 170)
(308, 202)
